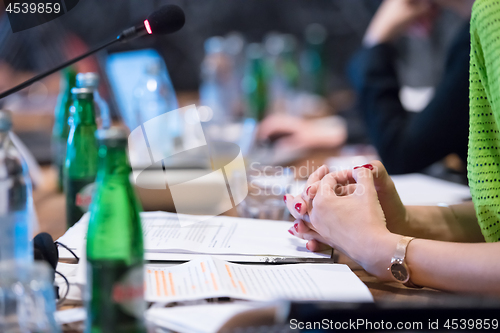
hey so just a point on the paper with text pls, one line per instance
(209, 277)
(218, 236)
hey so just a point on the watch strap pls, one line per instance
(400, 253)
(401, 247)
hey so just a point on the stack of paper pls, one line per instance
(209, 277)
(234, 239)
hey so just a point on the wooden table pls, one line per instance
(50, 206)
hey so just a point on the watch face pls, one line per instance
(399, 272)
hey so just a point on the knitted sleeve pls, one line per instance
(483, 165)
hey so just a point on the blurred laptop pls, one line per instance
(124, 71)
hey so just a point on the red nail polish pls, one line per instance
(307, 246)
(366, 166)
(307, 190)
(290, 231)
(284, 198)
(298, 206)
(296, 226)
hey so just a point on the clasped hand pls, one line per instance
(352, 211)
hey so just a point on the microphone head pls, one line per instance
(165, 20)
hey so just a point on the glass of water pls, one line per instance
(27, 299)
(266, 188)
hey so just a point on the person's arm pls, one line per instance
(456, 223)
(410, 142)
(455, 266)
(355, 224)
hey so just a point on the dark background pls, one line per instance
(97, 21)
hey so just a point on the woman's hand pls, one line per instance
(291, 133)
(394, 17)
(345, 212)
(395, 212)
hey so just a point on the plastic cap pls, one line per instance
(5, 121)
(82, 92)
(114, 136)
(87, 80)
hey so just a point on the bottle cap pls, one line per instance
(112, 137)
(254, 51)
(82, 92)
(5, 121)
(87, 80)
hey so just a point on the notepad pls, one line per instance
(209, 277)
(234, 239)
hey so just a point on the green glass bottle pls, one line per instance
(255, 82)
(80, 167)
(314, 60)
(289, 67)
(60, 131)
(115, 248)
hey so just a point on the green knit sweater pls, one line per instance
(483, 163)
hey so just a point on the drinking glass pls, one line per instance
(27, 299)
(266, 188)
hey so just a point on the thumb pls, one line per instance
(364, 178)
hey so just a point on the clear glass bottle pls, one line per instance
(16, 201)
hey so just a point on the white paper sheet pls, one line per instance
(221, 235)
(209, 277)
(421, 190)
(209, 317)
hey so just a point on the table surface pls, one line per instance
(50, 206)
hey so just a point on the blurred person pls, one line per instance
(457, 248)
(409, 142)
(29, 52)
(291, 133)
(406, 142)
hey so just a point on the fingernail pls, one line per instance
(291, 232)
(296, 226)
(298, 206)
(366, 166)
(307, 190)
(284, 198)
(307, 246)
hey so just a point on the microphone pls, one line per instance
(165, 20)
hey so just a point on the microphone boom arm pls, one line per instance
(166, 19)
(57, 68)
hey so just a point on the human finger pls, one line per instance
(295, 205)
(316, 246)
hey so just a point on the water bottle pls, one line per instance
(314, 60)
(214, 72)
(91, 81)
(16, 201)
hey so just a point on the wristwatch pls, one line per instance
(399, 268)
